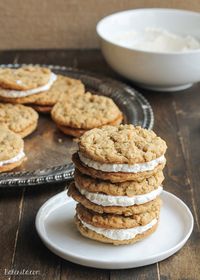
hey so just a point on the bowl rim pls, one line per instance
(165, 53)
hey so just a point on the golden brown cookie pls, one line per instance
(76, 132)
(18, 118)
(78, 114)
(41, 109)
(113, 221)
(44, 101)
(151, 206)
(11, 149)
(101, 238)
(24, 78)
(114, 177)
(123, 144)
(128, 188)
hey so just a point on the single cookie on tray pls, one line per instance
(18, 118)
(76, 115)
(120, 153)
(44, 101)
(115, 229)
(11, 149)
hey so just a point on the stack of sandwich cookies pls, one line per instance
(11, 150)
(18, 118)
(36, 86)
(119, 154)
(113, 209)
(75, 116)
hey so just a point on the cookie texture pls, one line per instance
(112, 221)
(151, 206)
(86, 111)
(77, 132)
(18, 118)
(24, 78)
(10, 144)
(63, 86)
(98, 237)
(41, 109)
(11, 166)
(128, 188)
(114, 177)
(122, 144)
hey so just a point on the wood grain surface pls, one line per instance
(177, 119)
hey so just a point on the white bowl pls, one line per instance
(165, 71)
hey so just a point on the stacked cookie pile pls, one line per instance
(118, 180)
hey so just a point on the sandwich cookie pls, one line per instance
(44, 101)
(11, 150)
(105, 193)
(128, 188)
(24, 84)
(18, 118)
(23, 79)
(123, 206)
(76, 115)
(115, 229)
(120, 153)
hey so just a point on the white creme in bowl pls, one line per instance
(157, 40)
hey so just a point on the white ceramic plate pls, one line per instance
(55, 226)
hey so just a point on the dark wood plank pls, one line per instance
(30, 253)
(141, 273)
(70, 271)
(168, 108)
(11, 203)
(8, 57)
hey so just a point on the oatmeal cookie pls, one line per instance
(11, 149)
(151, 206)
(44, 101)
(114, 177)
(113, 221)
(24, 78)
(18, 118)
(123, 144)
(85, 112)
(128, 188)
(86, 232)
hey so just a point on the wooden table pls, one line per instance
(177, 120)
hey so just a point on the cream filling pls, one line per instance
(134, 168)
(18, 157)
(23, 93)
(109, 200)
(120, 234)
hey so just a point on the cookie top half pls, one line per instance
(86, 111)
(10, 144)
(17, 117)
(123, 144)
(24, 78)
